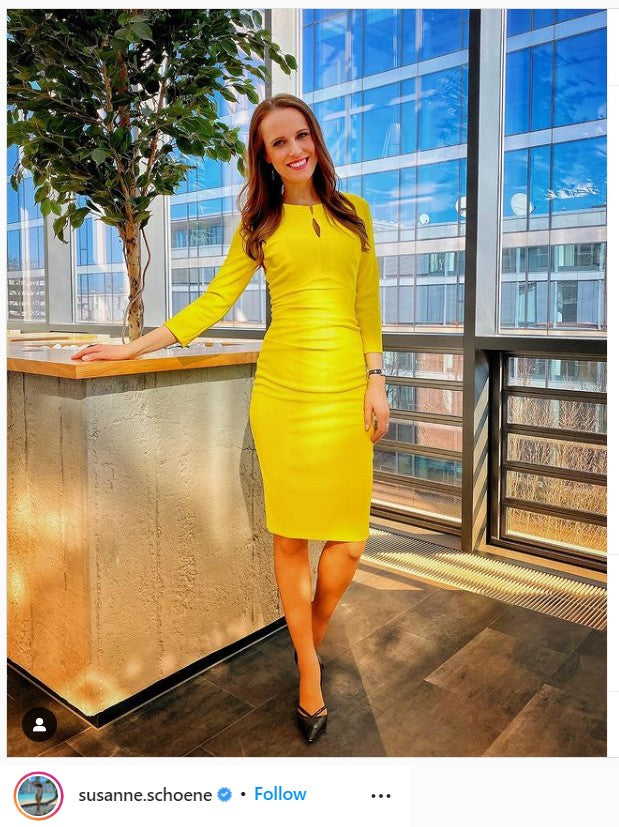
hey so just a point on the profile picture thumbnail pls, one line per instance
(38, 795)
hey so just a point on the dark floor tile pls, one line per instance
(69, 724)
(595, 645)
(259, 672)
(431, 721)
(64, 750)
(172, 724)
(23, 690)
(199, 752)
(584, 674)
(272, 730)
(452, 617)
(541, 629)
(498, 670)
(384, 665)
(553, 723)
(364, 609)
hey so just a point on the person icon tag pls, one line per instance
(39, 726)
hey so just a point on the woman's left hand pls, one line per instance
(376, 404)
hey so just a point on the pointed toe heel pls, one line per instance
(312, 725)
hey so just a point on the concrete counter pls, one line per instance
(46, 360)
(136, 529)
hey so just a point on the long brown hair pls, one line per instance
(262, 211)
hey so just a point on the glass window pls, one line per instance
(309, 41)
(409, 116)
(515, 197)
(517, 84)
(541, 86)
(440, 110)
(381, 191)
(36, 251)
(355, 40)
(518, 21)
(85, 242)
(538, 258)
(25, 250)
(568, 14)
(580, 78)
(578, 177)
(33, 210)
(539, 196)
(381, 40)
(208, 173)
(14, 250)
(356, 127)
(409, 41)
(12, 196)
(543, 18)
(330, 37)
(441, 32)
(437, 193)
(381, 122)
(331, 115)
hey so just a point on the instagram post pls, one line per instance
(306, 436)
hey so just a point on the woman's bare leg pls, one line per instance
(294, 581)
(336, 568)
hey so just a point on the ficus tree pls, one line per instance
(104, 104)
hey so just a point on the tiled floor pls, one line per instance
(411, 669)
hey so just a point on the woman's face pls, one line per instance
(287, 140)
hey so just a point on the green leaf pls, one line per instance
(142, 30)
(59, 225)
(46, 207)
(99, 155)
(41, 193)
(184, 145)
(78, 217)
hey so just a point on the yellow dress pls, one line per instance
(307, 405)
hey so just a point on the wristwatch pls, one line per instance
(376, 370)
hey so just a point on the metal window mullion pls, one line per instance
(555, 352)
(556, 473)
(584, 437)
(417, 416)
(497, 437)
(430, 485)
(420, 450)
(485, 140)
(436, 384)
(555, 511)
(425, 342)
(557, 394)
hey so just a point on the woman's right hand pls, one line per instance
(100, 353)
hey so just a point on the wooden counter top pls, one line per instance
(33, 357)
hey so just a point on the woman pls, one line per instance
(313, 404)
(38, 795)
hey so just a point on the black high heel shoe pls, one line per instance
(312, 725)
(321, 664)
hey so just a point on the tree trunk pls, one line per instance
(131, 243)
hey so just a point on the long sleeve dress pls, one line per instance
(307, 406)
